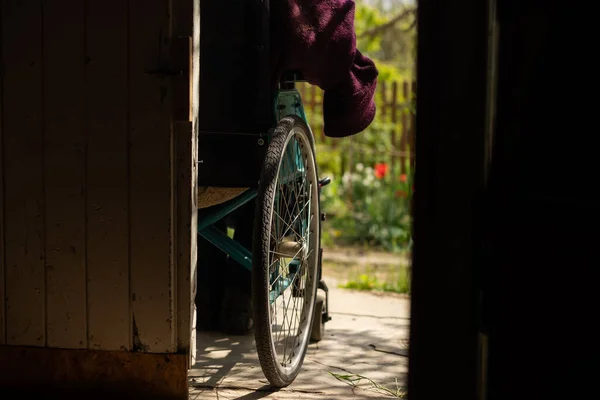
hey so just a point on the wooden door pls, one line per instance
(97, 155)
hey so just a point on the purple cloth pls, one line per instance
(317, 38)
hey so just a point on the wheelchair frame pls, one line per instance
(287, 102)
(242, 44)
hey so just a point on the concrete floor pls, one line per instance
(367, 336)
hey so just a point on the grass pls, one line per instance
(354, 380)
(399, 282)
(369, 271)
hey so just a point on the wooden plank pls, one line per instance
(394, 132)
(194, 185)
(23, 173)
(384, 101)
(405, 131)
(181, 58)
(184, 115)
(413, 129)
(182, 47)
(107, 176)
(183, 18)
(405, 118)
(64, 173)
(151, 188)
(2, 265)
(186, 233)
(91, 374)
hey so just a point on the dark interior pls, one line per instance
(235, 32)
(505, 274)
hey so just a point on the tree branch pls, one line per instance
(369, 33)
(411, 26)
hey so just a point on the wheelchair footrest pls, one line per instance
(323, 286)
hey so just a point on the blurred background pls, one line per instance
(367, 235)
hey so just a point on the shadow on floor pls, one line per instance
(217, 355)
(368, 337)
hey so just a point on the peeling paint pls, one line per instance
(138, 346)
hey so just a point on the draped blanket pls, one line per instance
(317, 37)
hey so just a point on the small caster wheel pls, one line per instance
(318, 327)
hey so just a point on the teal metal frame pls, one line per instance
(287, 102)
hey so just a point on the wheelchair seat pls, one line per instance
(209, 196)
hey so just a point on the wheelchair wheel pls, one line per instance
(285, 252)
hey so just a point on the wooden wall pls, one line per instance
(97, 174)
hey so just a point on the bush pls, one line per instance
(368, 207)
(364, 209)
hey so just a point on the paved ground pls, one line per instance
(367, 336)
(360, 257)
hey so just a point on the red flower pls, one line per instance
(403, 178)
(381, 170)
(401, 193)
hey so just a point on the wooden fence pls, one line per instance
(395, 110)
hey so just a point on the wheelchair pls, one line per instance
(254, 138)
